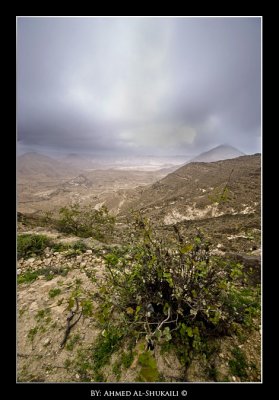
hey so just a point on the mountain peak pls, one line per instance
(221, 152)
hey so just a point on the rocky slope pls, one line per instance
(47, 285)
(222, 199)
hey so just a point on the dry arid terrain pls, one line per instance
(99, 293)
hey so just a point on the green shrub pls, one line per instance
(80, 246)
(59, 247)
(54, 292)
(127, 359)
(29, 244)
(86, 221)
(28, 277)
(107, 343)
(174, 291)
(238, 364)
(32, 333)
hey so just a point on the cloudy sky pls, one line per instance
(138, 86)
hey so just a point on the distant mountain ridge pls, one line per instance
(222, 152)
(36, 164)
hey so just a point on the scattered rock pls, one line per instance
(256, 252)
(47, 342)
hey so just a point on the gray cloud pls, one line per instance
(139, 85)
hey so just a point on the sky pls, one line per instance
(138, 86)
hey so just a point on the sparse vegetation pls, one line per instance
(107, 343)
(151, 300)
(72, 342)
(175, 292)
(43, 315)
(47, 272)
(86, 221)
(32, 333)
(31, 245)
(238, 364)
(127, 359)
(54, 292)
(28, 277)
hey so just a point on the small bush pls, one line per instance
(80, 246)
(127, 359)
(32, 333)
(107, 343)
(28, 277)
(54, 292)
(86, 222)
(59, 247)
(175, 291)
(238, 364)
(28, 245)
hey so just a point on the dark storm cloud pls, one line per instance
(139, 85)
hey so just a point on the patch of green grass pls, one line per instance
(59, 247)
(28, 277)
(127, 359)
(67, 363)
(83, 365)
(247, 302)
(213, 373)
(238, 364)
(21, 311)
(48, 273)
(87, 307)
(42, 314)
(32, 333)
(54, 292)
(116, 369)
(80, 246)
(30, 244)
(71, 343)
(99, 377)
(166, 347)
(106, 344)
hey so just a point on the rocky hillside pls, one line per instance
(59, 332)
(118, 309)
(193, 191)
